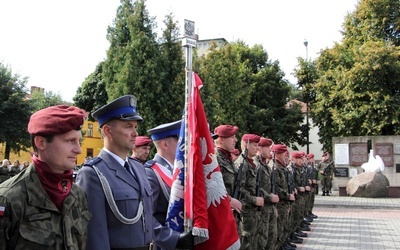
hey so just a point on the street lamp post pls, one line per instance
(307, 123)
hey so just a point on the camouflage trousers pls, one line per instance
(249, 224)
(298, 211)
(267, 230)
(283, 222)
(326, 182)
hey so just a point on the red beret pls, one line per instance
(250, 138)
(56, 120)
(235, 151)
(265, 142)
(310, 156)
(279, 148)
(142, 141)
(297, 154)
(225, 130)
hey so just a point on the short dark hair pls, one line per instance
(49, 138)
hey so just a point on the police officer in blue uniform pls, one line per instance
(159, 172)
(119, 194)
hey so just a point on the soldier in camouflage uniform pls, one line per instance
(314, 183)
(41, 207)
(268, 230)
(285, 196)
(250, 216)
(303, 189)
(325, 167)
(225, 141)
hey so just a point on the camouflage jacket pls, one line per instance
(228, 171)
(265, 172)
(326, 167)
(248, 182)
(281, 183)
(298, 177)
(29, 220)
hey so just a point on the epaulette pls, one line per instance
(149, 163)
(92, 162)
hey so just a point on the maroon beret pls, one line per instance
(235, 151)
(225, 130)
(142, 141)
(250, 138)
(279, 148)
(265, 142)
(310, 156)
(56, 120)
(297, 154)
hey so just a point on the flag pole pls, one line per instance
(189, 42)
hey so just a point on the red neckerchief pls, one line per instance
(57, 186)
(251, 161)
(264, 160)
(226, 153)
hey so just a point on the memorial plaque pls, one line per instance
(396, 148)
(358, 153)
(385, 151)
(341, 172)
(342, 154)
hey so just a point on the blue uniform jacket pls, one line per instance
(105, 230)
(165, 237)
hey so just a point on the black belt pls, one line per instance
(147, 247)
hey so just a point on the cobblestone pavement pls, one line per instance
(354, 223)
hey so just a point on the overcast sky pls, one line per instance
(58, 43)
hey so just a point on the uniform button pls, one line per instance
(127, 195)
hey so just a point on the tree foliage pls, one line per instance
(133, 61)
(40, 100)
(243, 87)
(15, 111)
(92, 94)
(357, 81)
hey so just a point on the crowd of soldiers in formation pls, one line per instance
(272, 192)
(8, 170)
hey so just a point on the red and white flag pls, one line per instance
(205, 198)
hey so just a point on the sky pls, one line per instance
(58, 43)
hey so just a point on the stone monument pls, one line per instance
(372, 183)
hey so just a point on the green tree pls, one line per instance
(15, 111)
(133, 61)
(172, 70)
(243, 87)
(41, 100)
(271, 116)
(92, 94)
(357, 91)
(227, 86)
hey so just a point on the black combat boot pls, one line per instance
(323, 193)
(327, 193)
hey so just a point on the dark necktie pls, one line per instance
(128, 168)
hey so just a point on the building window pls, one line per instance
(90, 130)
(89, 152)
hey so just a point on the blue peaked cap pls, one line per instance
(122, 108)
(165, 130)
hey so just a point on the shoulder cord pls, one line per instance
(111, 201)
(162, 184)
